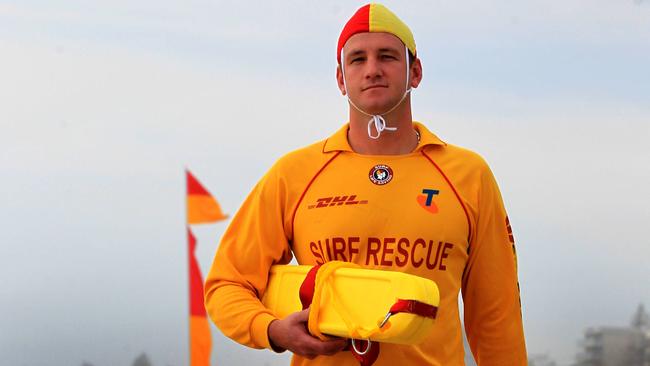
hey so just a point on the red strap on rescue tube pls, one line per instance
(414, 307)
(306, 291)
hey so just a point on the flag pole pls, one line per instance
(200, 208)
(187, 271)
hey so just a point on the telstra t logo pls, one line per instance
(426, 200)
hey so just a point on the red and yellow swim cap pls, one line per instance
(375, 18)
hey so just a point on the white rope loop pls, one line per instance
(380, 126)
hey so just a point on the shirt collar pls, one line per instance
(339, 140)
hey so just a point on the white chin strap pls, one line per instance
(377, 119)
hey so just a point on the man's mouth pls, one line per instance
(374, 87)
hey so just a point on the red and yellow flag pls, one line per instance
(202, 208)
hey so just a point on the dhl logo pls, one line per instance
(337, 201)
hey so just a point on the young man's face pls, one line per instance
(375, 71)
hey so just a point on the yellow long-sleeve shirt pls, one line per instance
(435, 212)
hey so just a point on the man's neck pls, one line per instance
(402, 141)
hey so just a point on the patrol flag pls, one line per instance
(202, 208)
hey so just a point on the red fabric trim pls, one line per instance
(193, 185)
(293, 216)
(359, 23)
(469, 223)
(196, 282)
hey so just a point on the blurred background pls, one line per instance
(103, 105)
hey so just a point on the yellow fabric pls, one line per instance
(318, 204)
(200, 341)
(383, 20)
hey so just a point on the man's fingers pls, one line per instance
(315, 346)
(291, 333)
(302, 316)
(333, 346)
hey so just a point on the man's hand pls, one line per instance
(291, 333)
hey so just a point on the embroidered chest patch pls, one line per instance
(380, 174)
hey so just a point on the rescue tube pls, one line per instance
(354, 302)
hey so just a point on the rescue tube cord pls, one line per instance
(323, 280)
(377, 119)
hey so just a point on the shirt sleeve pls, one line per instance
(492, 306)
(255, 240)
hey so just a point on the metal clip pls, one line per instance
(383, 322)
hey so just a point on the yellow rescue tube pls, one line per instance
(355, 301)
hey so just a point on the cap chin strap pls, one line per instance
(377, 119)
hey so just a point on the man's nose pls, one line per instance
(373, 68)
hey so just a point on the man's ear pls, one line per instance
(339, 79)
(416, 73)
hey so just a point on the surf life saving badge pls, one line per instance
(380, 174)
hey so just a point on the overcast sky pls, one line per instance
(103, 104)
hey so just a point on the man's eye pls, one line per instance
(388, 57)
(355, 60)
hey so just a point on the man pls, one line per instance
(385, 193)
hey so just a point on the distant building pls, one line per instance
(618, 346)
(142, 360)
(641, 320)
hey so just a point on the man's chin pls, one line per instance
(377, 108)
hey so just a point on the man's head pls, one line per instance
(374, 51)
(375, 18)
